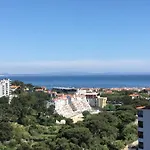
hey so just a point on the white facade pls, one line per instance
(60, 103)
(144, 128)
(5, 87)
(81, 92)
(69, 106)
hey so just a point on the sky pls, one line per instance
(90, 36)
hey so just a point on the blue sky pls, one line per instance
(74, 36)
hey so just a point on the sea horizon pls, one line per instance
(86, 81)
(76, 74)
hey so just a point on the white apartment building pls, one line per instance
(5, 87)
(144, 128)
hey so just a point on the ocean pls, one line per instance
(97, 81)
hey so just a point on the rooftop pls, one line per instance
(64, 88)
(92, 93)
(143, 107)
(134, 95)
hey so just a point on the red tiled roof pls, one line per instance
(134, 95)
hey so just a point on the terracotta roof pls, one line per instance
(134, 95)
(14, 86)
(143, 107)
(94, 93)
(140, 107)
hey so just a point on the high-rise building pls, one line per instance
(144, 128)
(5, 87)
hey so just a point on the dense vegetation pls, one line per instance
(26, 124)
(123, 98)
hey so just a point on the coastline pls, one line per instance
(86, 81)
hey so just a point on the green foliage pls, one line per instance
(127, 108)
(126, 117)
(5, 131)
(117, 145)
(3, 147)
(69, 121)
(129, 133)
(110, 107)
(140, 102)
(40, 146)
(4, 100)
(77, 136)
(64, 144)
(86, 113)
(24, 146)
(20, 132)
(121, 97)
(26, 124)
(18, 83)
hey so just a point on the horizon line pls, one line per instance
(78, 73)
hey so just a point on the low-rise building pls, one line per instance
(101, 102)
(134, 96)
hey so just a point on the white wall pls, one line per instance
(1, 90)
(60, 103)
(5, 87)
(80, 91)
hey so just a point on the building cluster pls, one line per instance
(72, 104)
(68, 102)
(136, 89)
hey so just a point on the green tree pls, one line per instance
(4, 100)
(40, 146)
(5, 131)
(78, 135)
(110, 107)
(117, 145)
(129, 133)
(24, 146)
(62, 144)
(69, 121)
(86, 113)
(125, 116)
(127, 108)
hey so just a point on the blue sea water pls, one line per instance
(97, 81)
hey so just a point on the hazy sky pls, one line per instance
(44, 36)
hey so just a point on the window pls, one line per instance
(140, 134)
(3, 92)
(140, 113)
(140, 124)
(141, 145)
